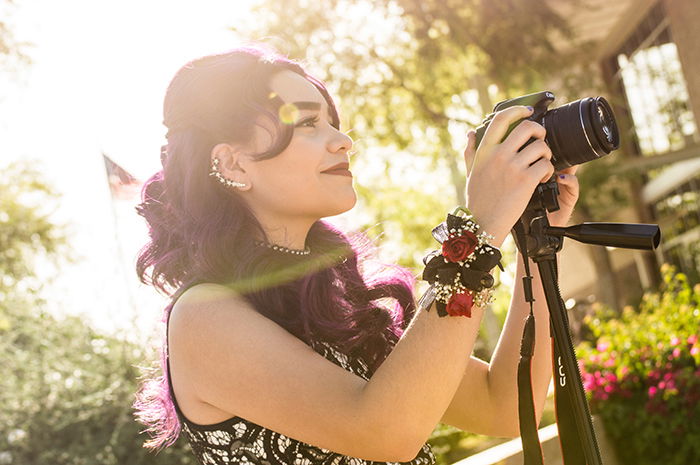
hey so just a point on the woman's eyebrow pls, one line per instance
(310, 105)
(307, 105)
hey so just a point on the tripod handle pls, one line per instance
(623, 235)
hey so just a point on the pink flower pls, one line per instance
(694, 350)
(610, 377)
(598, 377)
(602, 346)
(609, 363)
(675, 341)
(662, 385)
(692, 339)
(624, 370)
(668, 376)
(676, 352)
(652, 391)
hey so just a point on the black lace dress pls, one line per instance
(238, 440)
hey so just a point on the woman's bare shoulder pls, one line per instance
(226, 355)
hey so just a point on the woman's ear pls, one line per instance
(232, 163)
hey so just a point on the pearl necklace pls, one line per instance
(280, 248)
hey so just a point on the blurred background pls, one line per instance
(81, 91)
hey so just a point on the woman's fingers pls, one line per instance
(532, 153)
(501, 122)
(522, 133)
(542, 170)
(570, 183)
(570, 169)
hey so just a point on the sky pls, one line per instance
(97, 84)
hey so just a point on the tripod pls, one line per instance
(541, 242)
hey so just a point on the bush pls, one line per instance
(642, 375)
(65, 389)
(66, 393)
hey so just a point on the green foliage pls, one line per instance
(450, 444)
(603, 190)
(13, 53)
(642, 374)
(407, 217)
(26, 230)
(65, 390)
(412, 75)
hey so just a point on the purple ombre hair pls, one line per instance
(201, 232)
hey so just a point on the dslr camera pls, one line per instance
(577, 132)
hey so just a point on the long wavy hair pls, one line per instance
(201, 232)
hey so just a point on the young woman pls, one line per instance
(280, 344)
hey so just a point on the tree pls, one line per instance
(13, 57)
(65, 389)
(414, 76)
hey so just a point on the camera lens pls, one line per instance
(580, 131)
(604, 126)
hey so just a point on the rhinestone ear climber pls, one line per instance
(217, 174)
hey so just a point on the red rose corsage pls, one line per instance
(460, 271)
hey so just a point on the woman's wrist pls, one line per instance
(460, 271)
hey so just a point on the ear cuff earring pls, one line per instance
(217, 174)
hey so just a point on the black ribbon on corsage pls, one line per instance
(466, 253)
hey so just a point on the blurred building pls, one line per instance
(648, 52)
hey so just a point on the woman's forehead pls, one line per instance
(292, 88)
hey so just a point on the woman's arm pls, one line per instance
(503, 370)
(228, 356)
(486, 401)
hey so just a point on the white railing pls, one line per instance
(511, 452)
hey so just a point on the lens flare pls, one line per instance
(288, 113)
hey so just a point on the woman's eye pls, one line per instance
(308, 122)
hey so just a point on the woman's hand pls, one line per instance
(568, 195)
(501, 178)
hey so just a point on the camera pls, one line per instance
(577, 132)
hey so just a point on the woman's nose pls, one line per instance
(340, 142)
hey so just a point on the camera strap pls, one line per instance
(532, 450)
(569, 441)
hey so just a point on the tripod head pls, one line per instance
(543, 240)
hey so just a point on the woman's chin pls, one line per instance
(345, 205)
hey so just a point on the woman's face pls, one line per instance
(293, 184)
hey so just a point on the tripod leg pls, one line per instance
(572, 407)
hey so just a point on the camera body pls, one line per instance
(577, 132)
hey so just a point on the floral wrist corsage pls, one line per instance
(460, 271)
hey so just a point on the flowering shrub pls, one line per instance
(642, 374)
